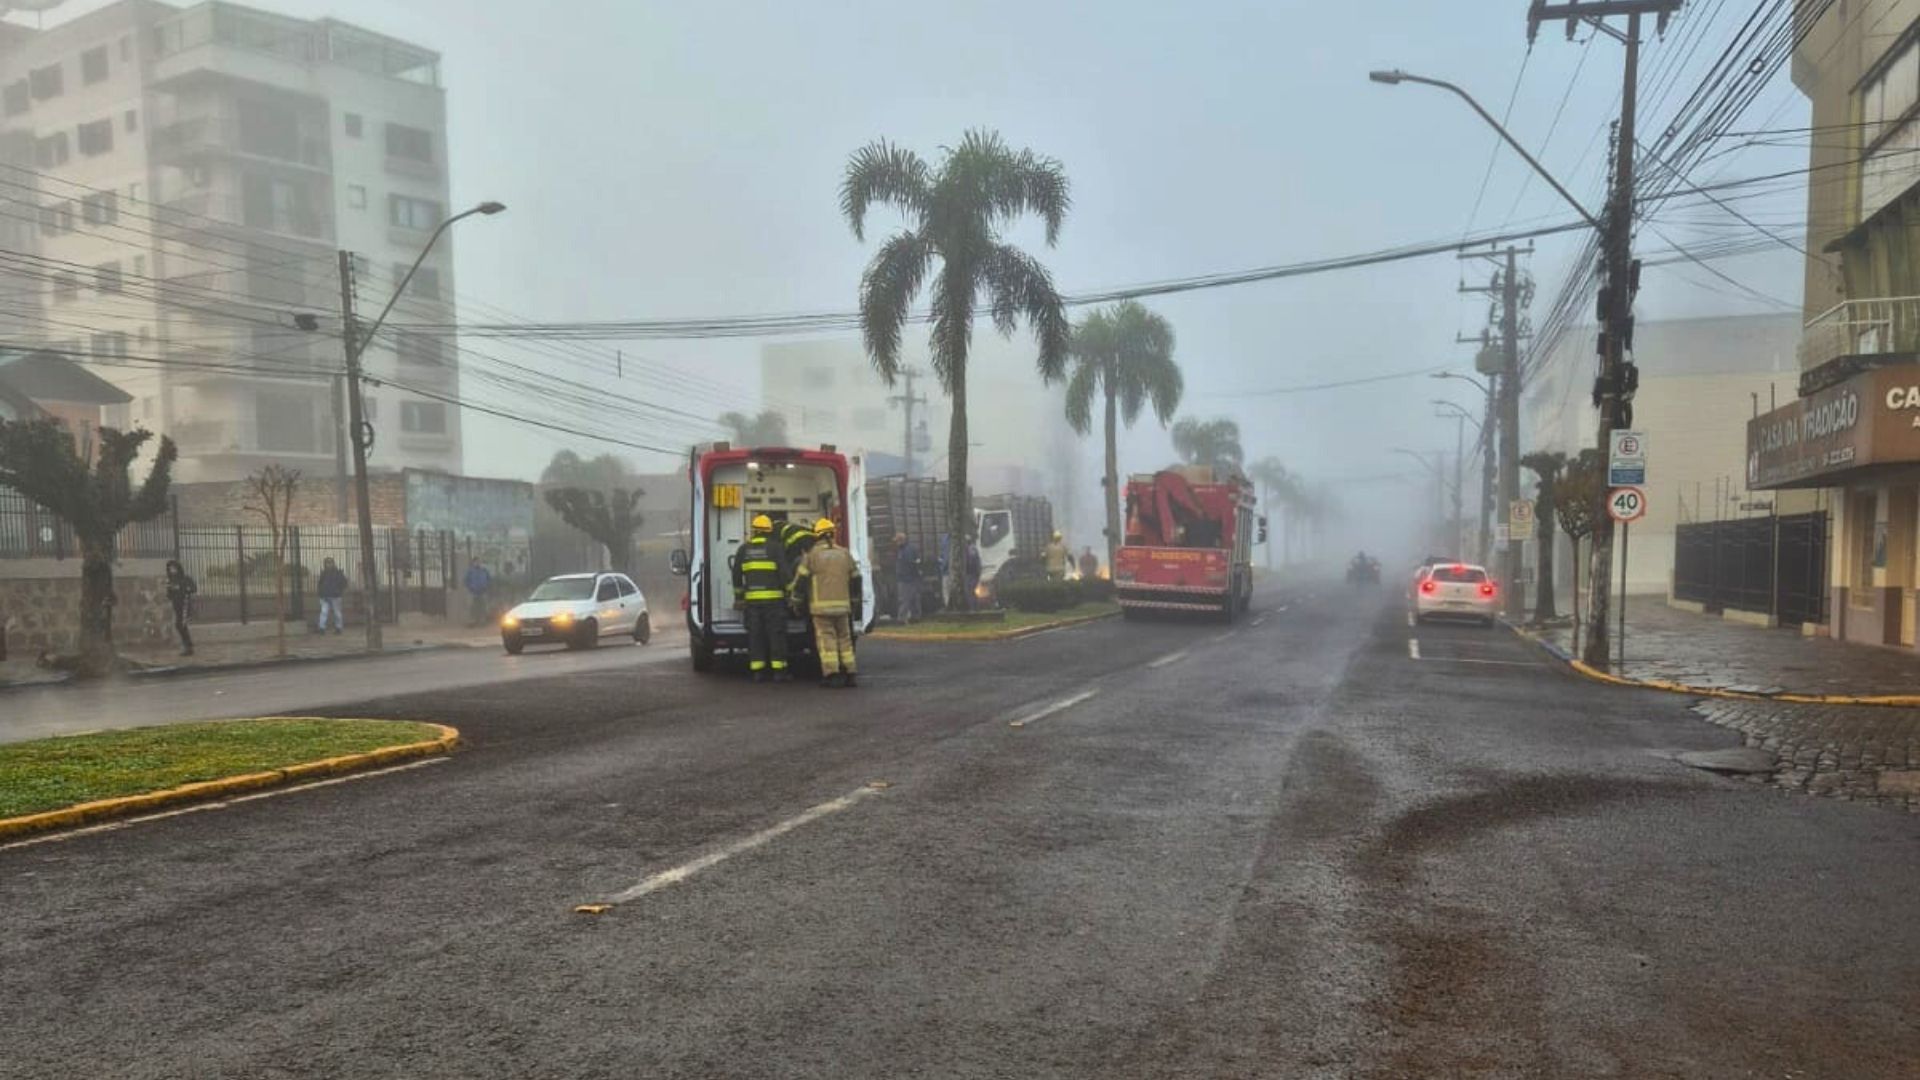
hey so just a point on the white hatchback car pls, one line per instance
(1455, 590)
(577, 610)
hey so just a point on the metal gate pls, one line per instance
(1773, 564)
(1800, 594)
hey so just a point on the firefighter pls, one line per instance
(759, 583)
(790, 543)
(829, 581)
(1058, 559)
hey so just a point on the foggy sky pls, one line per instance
(673, 159)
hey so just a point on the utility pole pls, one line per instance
(356, 418)
(907, 400)
(340, 449)
(1459, 459)
(1613, 390)
(1513, 294)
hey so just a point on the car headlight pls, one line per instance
(563, 618)
(509, 622)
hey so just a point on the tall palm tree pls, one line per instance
(954, 216)
(1213, 442)
(1277, 486)
(1126, 356)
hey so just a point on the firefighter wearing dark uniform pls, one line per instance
(829, 581)
(790, 543)
(759, 581)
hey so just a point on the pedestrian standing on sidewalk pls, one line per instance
(478, 583)
(906, 579)
(333, 592)
(1089, 564)
(829, 580)
(180, 590)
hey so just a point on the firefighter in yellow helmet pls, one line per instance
(829, 580)
(1058, 558)
(760, 585)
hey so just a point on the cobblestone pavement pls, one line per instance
(1706, 650)
(1844, 751)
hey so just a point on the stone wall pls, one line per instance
(225, 502)
(40, 604)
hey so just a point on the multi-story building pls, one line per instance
(175, 184)
(1853, 428)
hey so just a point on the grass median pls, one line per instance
(1015, 622)
(50, 774)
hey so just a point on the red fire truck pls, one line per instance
(1189, 543)
(731, 486)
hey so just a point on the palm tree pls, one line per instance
(954, 216)
(1126, 356)
(1278, 485)
(1213, 442)
(767, 428)
(1547, 466)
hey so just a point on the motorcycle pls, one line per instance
(1363, 571)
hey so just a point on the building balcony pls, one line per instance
(1857, 334)
(185, 140)
(193, 213)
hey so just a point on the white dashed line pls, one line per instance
(1170, 658)
(1223, 637)
(1413, 648)
(678, 874)
(1057, 707)
(1473, 660)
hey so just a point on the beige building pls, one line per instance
(1853, 427)
(175, 184)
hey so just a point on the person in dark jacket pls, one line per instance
(478, 583)
(760, 588)
(906, 579)
(332, 588)
(180, 590)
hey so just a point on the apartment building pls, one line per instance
(175, 184)
(1853, 427)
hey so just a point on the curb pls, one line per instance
(171, 671)
(205, 790)
(995, 635)
(1581, 667)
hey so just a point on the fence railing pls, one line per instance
(1861, 328)
(1775, 565)
(29, 531)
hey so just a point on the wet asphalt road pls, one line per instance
(1287, 850)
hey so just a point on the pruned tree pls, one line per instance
(1213, 442)
(768, 427)
(1125, 357)
(270, 495)
(1576, 495)
(1547, 465)
(97, 498)
(952, 245)
(609, 517)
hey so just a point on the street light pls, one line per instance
(356, 344)
(1436, 467)
(1396, 77)
(1486, 461)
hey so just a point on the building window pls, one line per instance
(819, 378)
(356, 197)
(284, 422)
(411, 143)
(139, 266)
(132, 119)
(50, 151)
(109, 346)
(353, 125)
(420, 348)
(100, 209)
(1860, 529)
(133, 191)
(369, 408)
(93, 65)
(423, 417)
(106, 278)
(65, 286)
(411, 213)
(18, 98)
(425, 283)
(56, 219)
(96, 138)
(45, 82)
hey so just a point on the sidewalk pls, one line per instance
(229, 645)
(1861, 752)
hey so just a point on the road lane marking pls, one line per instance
(220, 804)
(1170, 658)
(1223, 637)
(678, 874)
(1048, 710)
(1413, 648)
(1472, 660)
(1259, 620)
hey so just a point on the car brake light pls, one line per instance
(1486, 588)
(1427, 586)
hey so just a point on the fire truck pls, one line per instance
(1189, 543)
(731, 486)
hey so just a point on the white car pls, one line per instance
(1455, 590)
(577, 610)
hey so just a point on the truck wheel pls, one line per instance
(643, 630)
(702, 658)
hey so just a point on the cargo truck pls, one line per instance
(1004, 526)
(1189, 543)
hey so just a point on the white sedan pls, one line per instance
(577, 610)
(1455, 590)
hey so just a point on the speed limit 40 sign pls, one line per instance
(1626, 504)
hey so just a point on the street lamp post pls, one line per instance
(1460, 419)
(1436, 467)
(359, 431)
(1487, 427)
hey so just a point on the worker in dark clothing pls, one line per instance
(790, 543)
(760, 586)
(180, 590)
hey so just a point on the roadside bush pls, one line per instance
(1039, 595)
(1095, 590)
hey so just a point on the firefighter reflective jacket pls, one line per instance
(831, 578)
(757, 577)
(790, 542)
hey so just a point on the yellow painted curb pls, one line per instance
(128, 805)
(992, 635)
(1891, 701)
